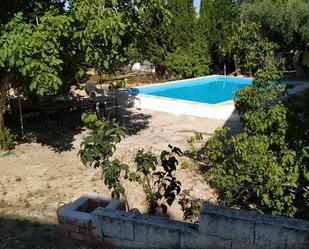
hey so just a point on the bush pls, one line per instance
(266, 164)
(190, 206)
(7, 139)
(160, 187)
(190, 62)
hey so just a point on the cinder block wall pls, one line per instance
(246, 229)
(218, 228)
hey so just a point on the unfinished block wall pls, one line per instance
(94, 219)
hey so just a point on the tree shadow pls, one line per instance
(133, 121)
(59, 131)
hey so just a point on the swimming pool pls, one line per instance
(210, 96)
(210, 90)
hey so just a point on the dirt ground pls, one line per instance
(44, 171)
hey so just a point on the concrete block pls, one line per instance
(113, 223)
(268, 231)
(84, 230)
(112, 243)
(64, 233)
(269, 236)
(148, 232)
(69, 227)
(196, 240)
(296, 239)
(227, 227)
(78, 236)
(244, 245)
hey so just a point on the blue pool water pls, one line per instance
(211, 90)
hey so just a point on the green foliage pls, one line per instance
(154, 40)
(32, 52)
(194, 140)
(215, 26)
(160, 187)
(263, 164)
(97, 149)
(7, 139)
(204, 17)
(285, 22)
(251, 172)
(190, 62)
(183, 21)
(264, 92)
(112, 175)
(42, 45)
(188, 165)
(103, 32)
(190, 206)
(249, 47)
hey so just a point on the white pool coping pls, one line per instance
(223, 110)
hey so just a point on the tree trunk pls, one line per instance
(237, 66)
(4, 87)
(160, 71)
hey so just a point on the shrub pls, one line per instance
(160, 187)
(7, 139)
(190, 206)
(190, 62)
(267, 163)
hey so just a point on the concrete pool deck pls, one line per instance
(224, 110)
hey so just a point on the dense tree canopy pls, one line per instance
(31, 49)
(286, 22)
(42, 45)
(154, 40)
(182, 24)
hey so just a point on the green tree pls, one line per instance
(190, 54)
(42, 46)
(204, 18)
(154, 40)
(30, 53)
(191, 61)
(104, 31)
(286, 22)
(215, 24)
(249, 49)
(183, 21)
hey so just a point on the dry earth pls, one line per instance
(46, 171)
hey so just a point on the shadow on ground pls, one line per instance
(59, 133)
(24, 234)
(16, 233)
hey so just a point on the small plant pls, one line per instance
(188, 165)
(160, 187)
(7, 139)
(190, 206)
(97, 149)
(194, 140)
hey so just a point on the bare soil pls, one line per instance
(45, 171)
